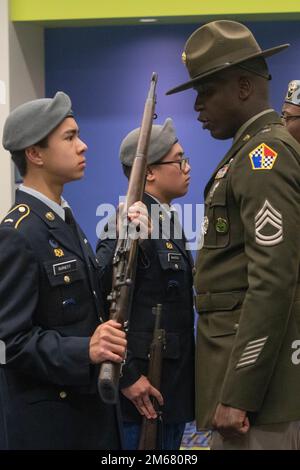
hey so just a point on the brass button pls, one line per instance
(63, 394)
(235, 326)
(22, 209)
(50, 216)
(67, 279)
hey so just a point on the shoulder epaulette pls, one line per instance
(16, 215)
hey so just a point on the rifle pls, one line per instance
(124, 260)
(150, 427)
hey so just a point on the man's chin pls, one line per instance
(219, 135)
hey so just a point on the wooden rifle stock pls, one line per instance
(124, 261)
(150, 427)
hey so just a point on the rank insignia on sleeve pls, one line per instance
(268, 226)
(262, 157)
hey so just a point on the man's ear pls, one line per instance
(150, 176)
(34, 155)
(245, 88)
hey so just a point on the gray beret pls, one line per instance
(293, 93)
(161, 141)
(32, 121)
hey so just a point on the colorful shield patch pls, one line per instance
(263, 157)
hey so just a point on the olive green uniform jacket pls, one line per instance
(248, 300)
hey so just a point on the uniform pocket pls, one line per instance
(171, 260)
(217, 222)
(64, 273)
(63, 305)
(174, 269)
(223, 323)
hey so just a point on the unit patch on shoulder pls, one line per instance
(262, 157)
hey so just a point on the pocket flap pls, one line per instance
(223, 323)
(64, 272)
(171, 260)
(218, 301)
(217, 194)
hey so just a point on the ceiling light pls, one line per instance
(148, 20)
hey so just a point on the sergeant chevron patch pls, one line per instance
(268, 226)
(251, 352)
(262, 157)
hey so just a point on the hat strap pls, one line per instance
(249, 69)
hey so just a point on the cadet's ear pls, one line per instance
(34, 155)
(150, 175)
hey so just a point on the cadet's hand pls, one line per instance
(139, 223)
(108, 343)
(230, 422)
(139, 393)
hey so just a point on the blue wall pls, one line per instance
(107, 72)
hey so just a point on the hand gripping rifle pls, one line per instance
(124, 260)
(151, 429)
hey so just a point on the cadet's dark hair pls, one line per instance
(126, 170)
(19, 157)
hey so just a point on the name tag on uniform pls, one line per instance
(174, 257)
(66, 267)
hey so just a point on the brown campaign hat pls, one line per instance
(217, 46)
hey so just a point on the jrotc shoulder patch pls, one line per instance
(262, 157)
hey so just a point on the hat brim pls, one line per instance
(191, 83)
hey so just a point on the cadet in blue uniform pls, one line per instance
(50, 296)
(247, 271)
(164, 275)
(291, 109)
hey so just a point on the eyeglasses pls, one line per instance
(289, 117)
(182, 163)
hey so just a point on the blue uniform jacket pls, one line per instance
(164, 275)
(50, 305)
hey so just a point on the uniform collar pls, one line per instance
(248, 123)
(166, 207)
(57, 228)
(58, 209)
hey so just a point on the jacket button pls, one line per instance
(63, 395)
(176, 266)
(67, 279)
(235, 326)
